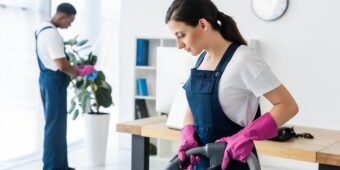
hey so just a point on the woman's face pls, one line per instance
(187, 37)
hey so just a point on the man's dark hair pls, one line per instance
(67, 9)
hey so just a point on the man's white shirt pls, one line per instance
(50, 46)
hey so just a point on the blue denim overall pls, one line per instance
(210, 120)
(53, 86)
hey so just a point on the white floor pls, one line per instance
(117, 158)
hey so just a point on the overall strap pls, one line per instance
(200, 59)
(39, 31)
(41, 65)
(227, 57)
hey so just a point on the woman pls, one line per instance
(224, 87)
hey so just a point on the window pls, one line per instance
(18, 83)
(21, 115)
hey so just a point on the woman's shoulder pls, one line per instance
(246, 55)
(247, 59)
(245, 51)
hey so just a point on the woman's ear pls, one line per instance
(203, 24)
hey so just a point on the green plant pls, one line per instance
(91, 91)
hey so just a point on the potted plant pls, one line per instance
(91, 92)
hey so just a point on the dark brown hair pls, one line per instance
(191, 11)
(67, 9)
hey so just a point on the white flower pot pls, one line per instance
(97, 126)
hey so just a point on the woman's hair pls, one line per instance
(191, 11)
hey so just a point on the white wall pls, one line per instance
(301, 48)
(138, 19)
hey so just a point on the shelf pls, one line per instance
(146, 68)
(148, 72)
(146, 97)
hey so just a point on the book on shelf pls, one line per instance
(142, 88)
(142, 52)
(141, 110)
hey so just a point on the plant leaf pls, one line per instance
(100, 89)
(93, 60)
(89, 58)
(79, 83)
(82, 42)
(83, 86)
(81, 61)
(72, 58)
(103, 97)
(72, 107)
(75, 115)
(70, 42)
(100, 78)
(85, 97)
(106, 86)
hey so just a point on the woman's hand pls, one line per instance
(188, 141)
(240, 145)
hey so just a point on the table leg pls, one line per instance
(328, 167)
(140, 153)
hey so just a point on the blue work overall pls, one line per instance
(210, 120)
(53, 86)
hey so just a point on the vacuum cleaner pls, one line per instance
(213, 151)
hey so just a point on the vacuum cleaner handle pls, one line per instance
(213, 151)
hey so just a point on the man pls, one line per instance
(53, 81)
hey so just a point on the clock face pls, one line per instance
(269, 10)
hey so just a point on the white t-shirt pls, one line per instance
(50, 46)
(244, 80)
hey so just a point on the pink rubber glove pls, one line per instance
(85, 70)
(188, 141)
(240, 145)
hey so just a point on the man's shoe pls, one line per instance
(69, 168)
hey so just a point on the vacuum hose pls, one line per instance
(213, 151)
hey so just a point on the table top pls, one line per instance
(135, 127)
(300, 148)
(329, 155)
(326, 142)
(161, 131)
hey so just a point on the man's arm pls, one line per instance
(64, 66)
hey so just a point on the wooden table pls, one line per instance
(140, 143)
(323, 149)
(329, 156)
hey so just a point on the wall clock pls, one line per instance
(269, 10)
